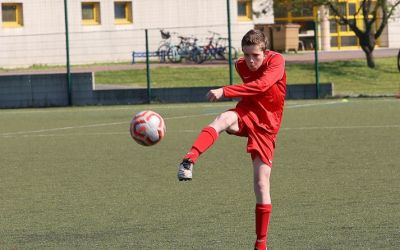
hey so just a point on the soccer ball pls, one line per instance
(147, 128)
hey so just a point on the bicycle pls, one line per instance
(187, 48)
(223, 46)
(217, 48)
(398, 67)
(165, 45)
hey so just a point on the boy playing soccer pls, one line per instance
(257, 116)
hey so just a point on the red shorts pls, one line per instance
(259, 142)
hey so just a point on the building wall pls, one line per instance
(383, 40)
(394, 30)
(394, 38)
(41, 40)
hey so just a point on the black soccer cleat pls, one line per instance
(185, 170)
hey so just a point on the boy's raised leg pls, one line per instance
(206, 138)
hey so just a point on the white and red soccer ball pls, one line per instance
(147, 128)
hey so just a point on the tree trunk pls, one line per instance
(370, 59)
(367, 42)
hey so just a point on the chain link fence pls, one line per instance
(187, 42)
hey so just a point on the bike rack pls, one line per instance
(161, 55)
(151, 54)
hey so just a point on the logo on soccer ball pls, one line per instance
(147, 128)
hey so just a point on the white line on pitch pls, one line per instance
(86, 134)
(163, 106)
(194, 131)
(63, 135)
(312, 104)
(63, 128)
(343, 127)
(137, 107)
(95, 125)
(126, 122)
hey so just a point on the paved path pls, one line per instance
(327, 56)
(301, 57)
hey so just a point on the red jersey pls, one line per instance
(262, 93)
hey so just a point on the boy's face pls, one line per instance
(253, 56)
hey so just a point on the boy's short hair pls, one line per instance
(255, 37)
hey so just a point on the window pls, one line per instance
(306, 10)
(342, 8)
(11, 14)
(123, 12)
(303, 13)
(349, 41)
(244, 10)
(341, 34)
(352, 9)
(91, 13)
(280, 12)
(287, 12)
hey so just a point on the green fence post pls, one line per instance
(316, 63)
(228, 10)
(148, 67)
(69, 80)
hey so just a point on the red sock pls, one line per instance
(263, 212)
(206, 138)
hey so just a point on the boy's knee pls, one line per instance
(223, 121)
(262, 186)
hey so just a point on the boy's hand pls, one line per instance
(215, 94)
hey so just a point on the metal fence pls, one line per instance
(128, 44)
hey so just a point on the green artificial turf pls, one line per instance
(72, 178)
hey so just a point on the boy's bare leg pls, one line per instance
(261, 173)
(225, 121)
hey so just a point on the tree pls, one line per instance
(375, 15)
